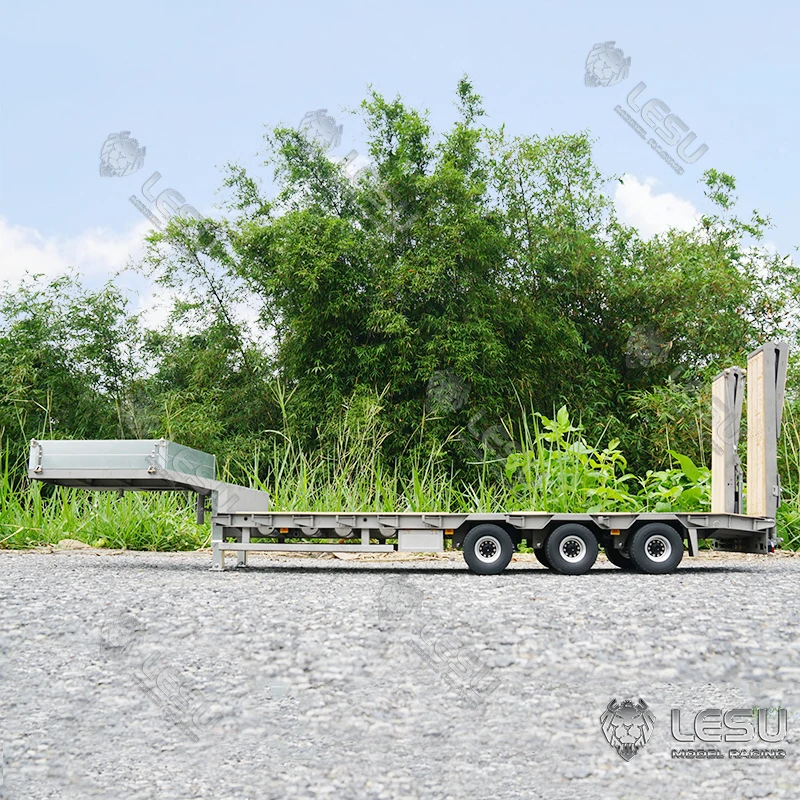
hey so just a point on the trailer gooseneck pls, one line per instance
(241, 518)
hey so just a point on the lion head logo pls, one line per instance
(446, 392)
(322, 127)
(647, 347)
(121, 155)
(399, 598)
(606, 65)
(627, 726)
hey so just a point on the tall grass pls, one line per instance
(789, 458)
(553, 468)
(39, 515)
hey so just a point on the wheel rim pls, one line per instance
(488, 549)
(658, 548)
(572, 549)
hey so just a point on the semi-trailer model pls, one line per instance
(242, 521)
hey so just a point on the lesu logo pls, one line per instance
(628, 727)
(735, 726)
(669, 127)
(607, 65)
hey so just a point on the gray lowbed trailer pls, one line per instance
(566, 543)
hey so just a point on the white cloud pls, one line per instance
(97, 253)
(640, 206)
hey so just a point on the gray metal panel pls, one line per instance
(617, 522)
(57, 454)
(230, 498)
(430, 541)
(139, 465)
(528, 521)
(188, 461)
(735, 523)
(96, 459)
(126, 480)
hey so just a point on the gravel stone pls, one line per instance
(146, 675)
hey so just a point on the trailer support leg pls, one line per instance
(691, 541)
(217, 554)
(241, 555)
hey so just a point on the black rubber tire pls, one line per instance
(488, 549)
(541, 557)
(618, 558)
(656, 548)
(571, 531)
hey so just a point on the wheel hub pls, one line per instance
(658, 548)
(573, 549)
(487, 549)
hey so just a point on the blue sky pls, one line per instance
(195, 83)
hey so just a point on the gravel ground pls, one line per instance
(135, 675)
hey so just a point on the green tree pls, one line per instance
(67, 361)
(496, 258)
